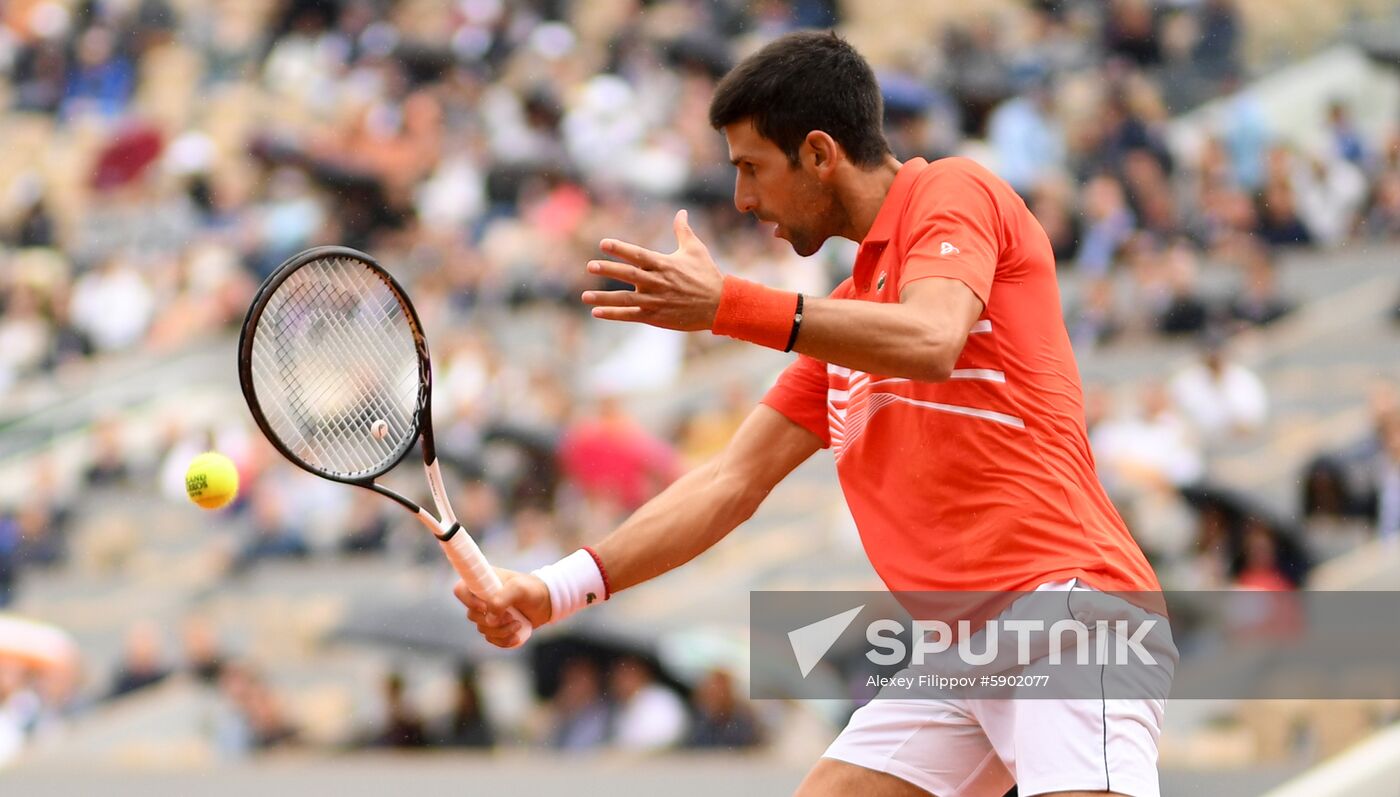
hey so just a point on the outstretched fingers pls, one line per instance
(639, 256)
(619, 313)
(622, 272)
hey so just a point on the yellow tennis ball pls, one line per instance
(212, 480)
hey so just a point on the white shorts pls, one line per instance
(981, 748)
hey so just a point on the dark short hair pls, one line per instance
(801, 82)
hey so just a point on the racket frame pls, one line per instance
(461, 549)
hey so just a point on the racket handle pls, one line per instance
(480, 577)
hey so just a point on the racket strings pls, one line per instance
(365, 374)
(323, 401)
(334, 353)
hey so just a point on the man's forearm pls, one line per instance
(877, 338)
(688, 517)
(920, 337)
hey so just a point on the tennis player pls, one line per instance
(940, 376)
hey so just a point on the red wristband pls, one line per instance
(755, 313)
(602, 571)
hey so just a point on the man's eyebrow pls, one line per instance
(737, 159)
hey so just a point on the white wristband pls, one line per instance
(574, 582)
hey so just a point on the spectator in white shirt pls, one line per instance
(1143, 459)
(648, 715)
(1220, 397)
(1154, 448)
(112, 306)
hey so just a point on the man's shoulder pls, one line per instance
(959, 180)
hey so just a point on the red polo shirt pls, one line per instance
(985, 481)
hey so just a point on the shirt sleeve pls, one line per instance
(954, 232)
(800, 395)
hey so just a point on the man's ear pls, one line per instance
(823, 150)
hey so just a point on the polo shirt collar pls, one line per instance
(887, 220)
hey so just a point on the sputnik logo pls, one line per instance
(811, 642)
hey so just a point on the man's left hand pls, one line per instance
(680, 290)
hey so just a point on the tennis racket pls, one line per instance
(334, 365)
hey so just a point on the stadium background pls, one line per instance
(1221, 179)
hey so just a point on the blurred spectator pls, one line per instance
(579, 715)
(1094, 320)
(1347, 140)
(1131, 127)
(44, 517)
(275, 535)
(26, 337)
(648, 716)
(1382, 221)
(1329, 191)
(42, 537)
(1219, 397)
(251, 717)
(40, 77)
(1279, 221)
(721, 719)
(9, 558)
(1052, 203)
(1144, 458)
(479, 510)
(1388, 481)
(1108, 225)
(1209, 568)
(143, 660)
(1131, 32)
(612, 460)
(467, 725)
(112, 305)
(1218, 48)
(102, 79)
(1343, 483)
(403, 726)
(202, 654)
(108, 466)
(1259, 560)
(1154, 448)
(1258, 301)
(980, 76)
(532, 542)
(1185, 312)
(1027, 139)
(367, 528)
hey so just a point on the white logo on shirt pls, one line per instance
(948, 249)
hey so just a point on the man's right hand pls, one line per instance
(526, 593)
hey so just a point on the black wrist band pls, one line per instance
(796, 324)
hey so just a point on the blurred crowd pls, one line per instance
(167, 156)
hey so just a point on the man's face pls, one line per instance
(770, 187)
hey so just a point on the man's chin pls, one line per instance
(801, 244)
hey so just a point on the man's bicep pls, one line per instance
(766, 448)
(944, 300)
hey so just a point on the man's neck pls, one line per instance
(863, 195)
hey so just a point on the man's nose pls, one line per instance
(744, 201)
